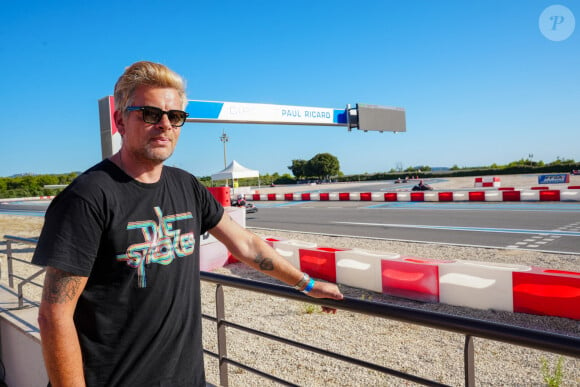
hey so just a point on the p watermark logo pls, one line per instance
(557, 23)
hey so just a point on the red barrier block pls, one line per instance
(319, 262)
(506, 189)
(511, 196)
(221, 194)
(256, 197)
(366, 196)
(574, 187)
(552, 195)
(272, 196)
(390, 196)
(539, 188)
(412, 278)
(445, 196)
(477, 196)
(289, 197)
(344, 196)
(417, 196)
(324, 196)
(306, 196)
(547, 292)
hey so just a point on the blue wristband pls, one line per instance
(309, 287)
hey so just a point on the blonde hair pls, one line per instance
(146, 74)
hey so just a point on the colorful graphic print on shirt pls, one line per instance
(163, 243)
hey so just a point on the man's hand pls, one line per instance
(326, 290)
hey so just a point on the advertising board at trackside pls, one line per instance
(559, 178)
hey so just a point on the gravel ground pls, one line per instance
(425, 352)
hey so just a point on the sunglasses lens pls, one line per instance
(152, 115)
(176, 117)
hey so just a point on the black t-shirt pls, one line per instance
(139, 317)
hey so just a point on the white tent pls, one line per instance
(235, 171)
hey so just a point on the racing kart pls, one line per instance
(250, 207)
(422, 187)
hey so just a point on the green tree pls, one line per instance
(324, 165)
(298, 168)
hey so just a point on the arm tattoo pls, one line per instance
(265, 264)
(61, 287)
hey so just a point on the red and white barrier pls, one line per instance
(358, 268)
(571, 194)
(487, 181)
(8, 200)
(481, 285)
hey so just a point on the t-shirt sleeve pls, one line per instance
(70, 237)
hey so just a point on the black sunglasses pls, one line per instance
(152, 115)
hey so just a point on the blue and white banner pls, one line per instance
(560, 178)
(239, 112)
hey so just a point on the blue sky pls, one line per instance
(479, 81)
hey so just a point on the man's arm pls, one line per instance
(253, 251)
(60, 345)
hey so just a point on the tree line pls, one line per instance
(33, 185)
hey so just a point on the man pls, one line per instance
(121, 298)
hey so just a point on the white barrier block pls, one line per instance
(354, 196)
(289, 249)
(333, 196)
(493, 196)
(378, 197)
(431, 196)
(237, 214)
(315, 196)
(533, 195)
(212, 255)
(403, 196)
(571, 196)
(279, 197)
(481, 285)
(297, 196)
(460, 196)
(361, 268)
(263, 197)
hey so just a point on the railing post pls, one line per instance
(9, 263)
(221, 335)
(468, 362)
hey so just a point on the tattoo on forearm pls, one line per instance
(265, 263)
(61, 287)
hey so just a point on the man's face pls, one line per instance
(150, 143)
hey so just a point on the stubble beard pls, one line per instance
(154, 155)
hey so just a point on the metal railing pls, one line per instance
(469, 327)
(10, 258)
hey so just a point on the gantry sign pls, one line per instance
(363, 117)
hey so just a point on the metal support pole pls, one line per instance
(221, 335)
(224, 138)
(9, 263)
(469, 362)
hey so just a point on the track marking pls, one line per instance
(475, 229)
